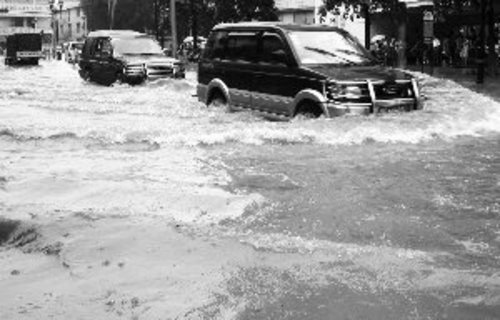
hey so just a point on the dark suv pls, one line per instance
(127, 56)
(285, 70)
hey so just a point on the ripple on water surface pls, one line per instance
(379, 204)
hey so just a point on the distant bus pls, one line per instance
(23, 48)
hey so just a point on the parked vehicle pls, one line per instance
(127, 56)
(73, 51)
(288, 70)
(23, 48)
(187, 49)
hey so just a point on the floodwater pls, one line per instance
(395, 216)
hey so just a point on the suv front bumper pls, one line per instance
(153, 71)
(376, 105)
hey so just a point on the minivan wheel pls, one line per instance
(119, 78)
(86, 75)
(308, 110)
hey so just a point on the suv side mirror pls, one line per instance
(280, 56)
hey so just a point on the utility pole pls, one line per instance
(194, 30)
(173, 22)
(365, 7)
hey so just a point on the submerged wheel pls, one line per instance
(119, 78)
(308, 110)
(217, 100)
(85, 74)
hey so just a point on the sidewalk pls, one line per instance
(467, 78)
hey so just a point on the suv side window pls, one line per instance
(107, 48)
(216, 45)
(272, 46)
(241, 46)
(102, 48)
(87, 49)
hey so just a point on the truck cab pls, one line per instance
(24, 49)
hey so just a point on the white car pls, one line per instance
(74, 51)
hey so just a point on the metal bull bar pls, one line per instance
(413, 102)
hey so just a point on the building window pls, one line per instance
(18, 22)
(78, 28)
(70, 29)
(78, 12)
(69, 16)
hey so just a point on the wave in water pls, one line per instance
(165, 112)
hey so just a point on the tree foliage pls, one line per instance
(243, 10)
(119, 14)
(395, 6)
(362, 6)
(146, 15)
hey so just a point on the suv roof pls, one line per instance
(115, 34)
(275, 25)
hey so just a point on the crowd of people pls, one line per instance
(386, 50)
(456, 49)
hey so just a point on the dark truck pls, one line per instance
(24, 48)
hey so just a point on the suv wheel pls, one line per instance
(217, 100)
(308, 110)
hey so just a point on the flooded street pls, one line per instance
(142, 203)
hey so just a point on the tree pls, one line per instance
(111, 11)
(151, 14)
(119, 14)
(244, 10)
(365, 8)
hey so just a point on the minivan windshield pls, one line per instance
(136, 46)
(329, 47)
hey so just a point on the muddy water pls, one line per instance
(388, 217)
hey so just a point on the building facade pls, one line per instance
(298, 11)
(308, 12)
(71, 21)
(25, 16)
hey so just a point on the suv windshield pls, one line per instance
(136, 46)
(329, 47)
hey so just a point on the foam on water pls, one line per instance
(51, 100)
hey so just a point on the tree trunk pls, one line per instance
(482, 41)
(194, 26)
(403, 20)
(173, 22)
(492, 40)
(111, 11)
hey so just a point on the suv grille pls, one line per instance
(159, 70)
(388, 90)
(134, 70)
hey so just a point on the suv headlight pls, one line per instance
(340, 91)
